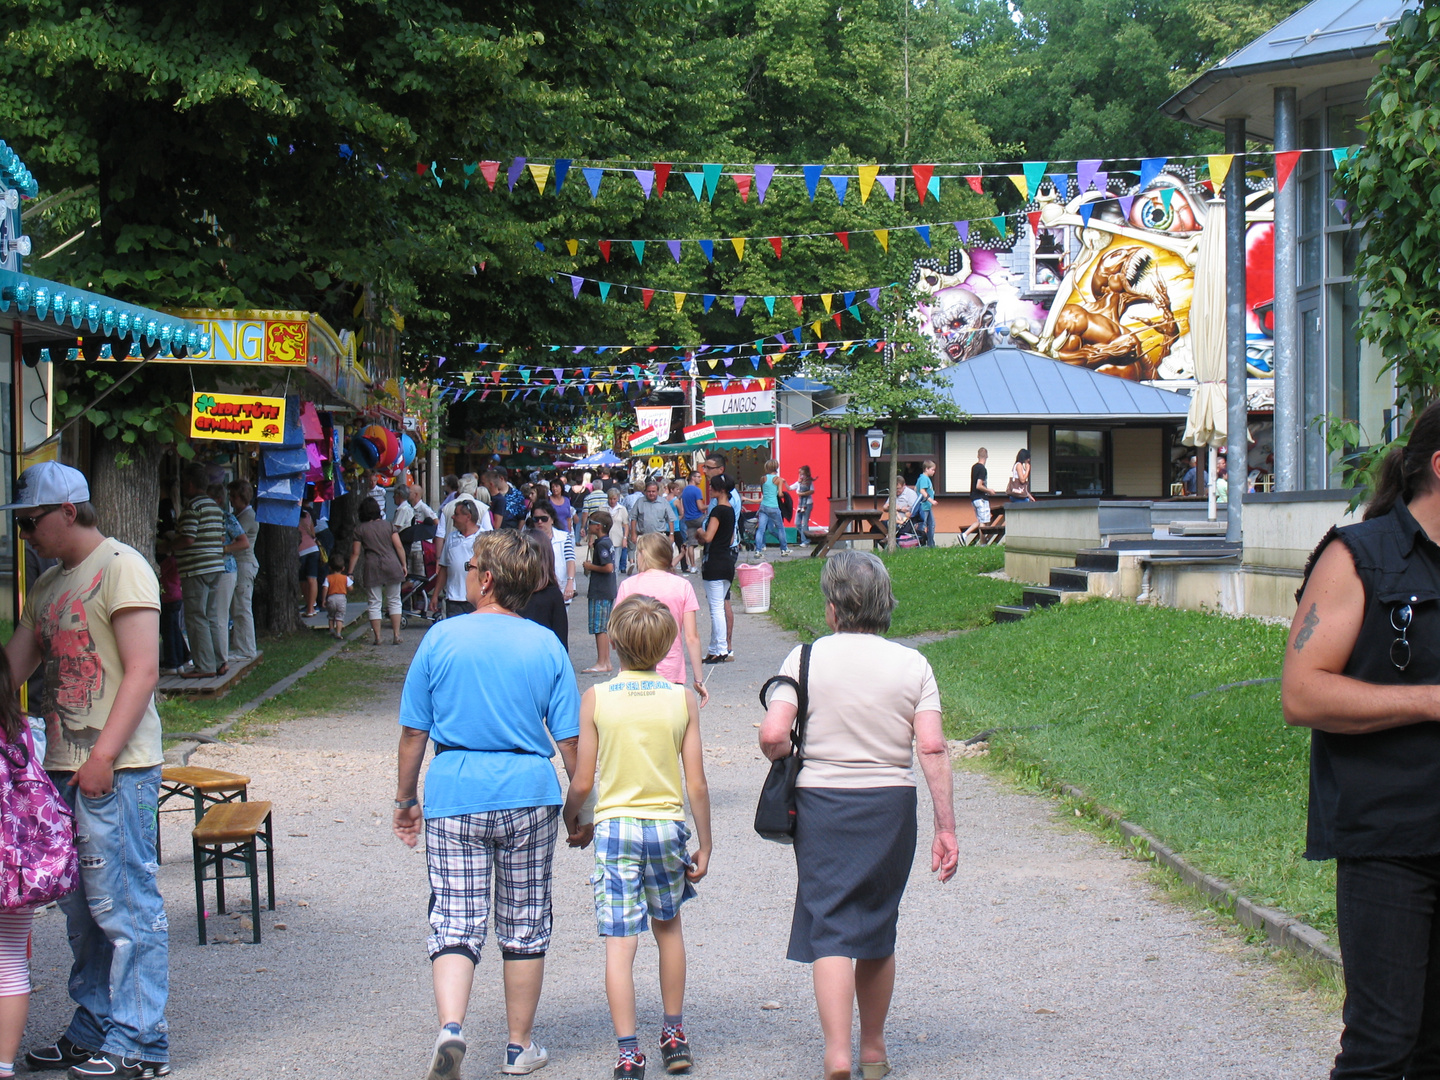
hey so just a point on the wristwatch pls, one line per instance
(406, 804)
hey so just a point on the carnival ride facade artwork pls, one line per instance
(1122, 303)
(966, 298)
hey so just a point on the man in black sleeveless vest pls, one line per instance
(1362, 670)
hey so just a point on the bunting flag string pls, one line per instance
(605, 288)
(776, 344)
(675, 246)
(703, 178)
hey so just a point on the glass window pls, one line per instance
(1070, 443)
(1077, 469)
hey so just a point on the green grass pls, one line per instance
(1099, 695)
(342, 683)
(283, 655)
(939, 589)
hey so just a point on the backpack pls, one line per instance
(38, 863)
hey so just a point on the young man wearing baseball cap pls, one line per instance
(94, 622)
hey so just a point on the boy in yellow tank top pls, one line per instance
(641, 728)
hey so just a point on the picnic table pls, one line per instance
(846, 523)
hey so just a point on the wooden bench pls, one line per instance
(233, 832)
(202, 787)
(992, 533)
(848, 523)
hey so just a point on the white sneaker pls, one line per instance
(448, 1054)
(526, 1061)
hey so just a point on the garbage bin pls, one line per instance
(754, 579)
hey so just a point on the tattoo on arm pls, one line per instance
(1307, 628)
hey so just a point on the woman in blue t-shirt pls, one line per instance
(770, 517)
(491, 689)
(925, 504)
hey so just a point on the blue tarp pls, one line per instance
(604, 457)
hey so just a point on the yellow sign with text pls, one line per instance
(238, 418)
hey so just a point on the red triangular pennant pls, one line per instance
(974, 182)
(604, 246)
(1034, 217)
(844, 238)
(775, 243)
(742, 181)
(490, 170)
(799, 302)
(1285, 163)
(662, 173)
(836, 317)
(421, 168)
(647, 295)
(922, 179)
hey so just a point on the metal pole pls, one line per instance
(1286, 440)
(1235, 370)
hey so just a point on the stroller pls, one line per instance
(907, 534)
(417, 589)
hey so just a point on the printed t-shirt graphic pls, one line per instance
(69, 612)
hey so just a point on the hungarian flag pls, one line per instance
(644, 439)
(699, 433)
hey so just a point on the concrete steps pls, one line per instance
(1065, 583)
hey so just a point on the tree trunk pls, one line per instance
(894, 481)
(277, 584)
(125, 490)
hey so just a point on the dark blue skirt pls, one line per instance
(854, 848)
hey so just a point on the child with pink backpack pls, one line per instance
(37, 859)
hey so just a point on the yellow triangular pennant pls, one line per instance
(1219, 169)
(469, 375)
(541, 173)
(1021, 185)
(572, 246)
(738, 242)
(867, 180)
(828, 299)
(626, 348)
(679, 300)
(883, 235)
(815, 327)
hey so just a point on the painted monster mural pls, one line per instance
(1108, 285)
(966, 297)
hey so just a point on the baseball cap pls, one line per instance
(48, 484)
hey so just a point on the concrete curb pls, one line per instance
(179, 754)
(1283, 930)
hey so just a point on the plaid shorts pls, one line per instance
(600, 616)
(639, 873)
(464, 854)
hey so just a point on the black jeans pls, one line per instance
(1389, 920)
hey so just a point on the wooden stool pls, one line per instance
(202, 787)
(233, 831)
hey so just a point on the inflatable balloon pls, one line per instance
(407, 448)
(364, 452)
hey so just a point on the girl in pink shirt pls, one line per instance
(654, 556)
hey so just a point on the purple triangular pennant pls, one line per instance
(647, 180)
(763, 175)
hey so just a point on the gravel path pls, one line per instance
(1048, 956)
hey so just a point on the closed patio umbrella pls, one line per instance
(1205, 425)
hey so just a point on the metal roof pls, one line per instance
(1326, 43)
(1007, 383)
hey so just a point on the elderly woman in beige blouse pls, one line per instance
(855, 832)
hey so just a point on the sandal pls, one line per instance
(223, 669)
(874, 1070)
(595, 671)
(193, 674)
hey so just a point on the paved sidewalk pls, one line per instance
(1048, 956)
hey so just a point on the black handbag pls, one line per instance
(775, 814)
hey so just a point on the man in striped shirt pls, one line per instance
(198, 543)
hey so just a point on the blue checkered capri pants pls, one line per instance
(507, 852)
